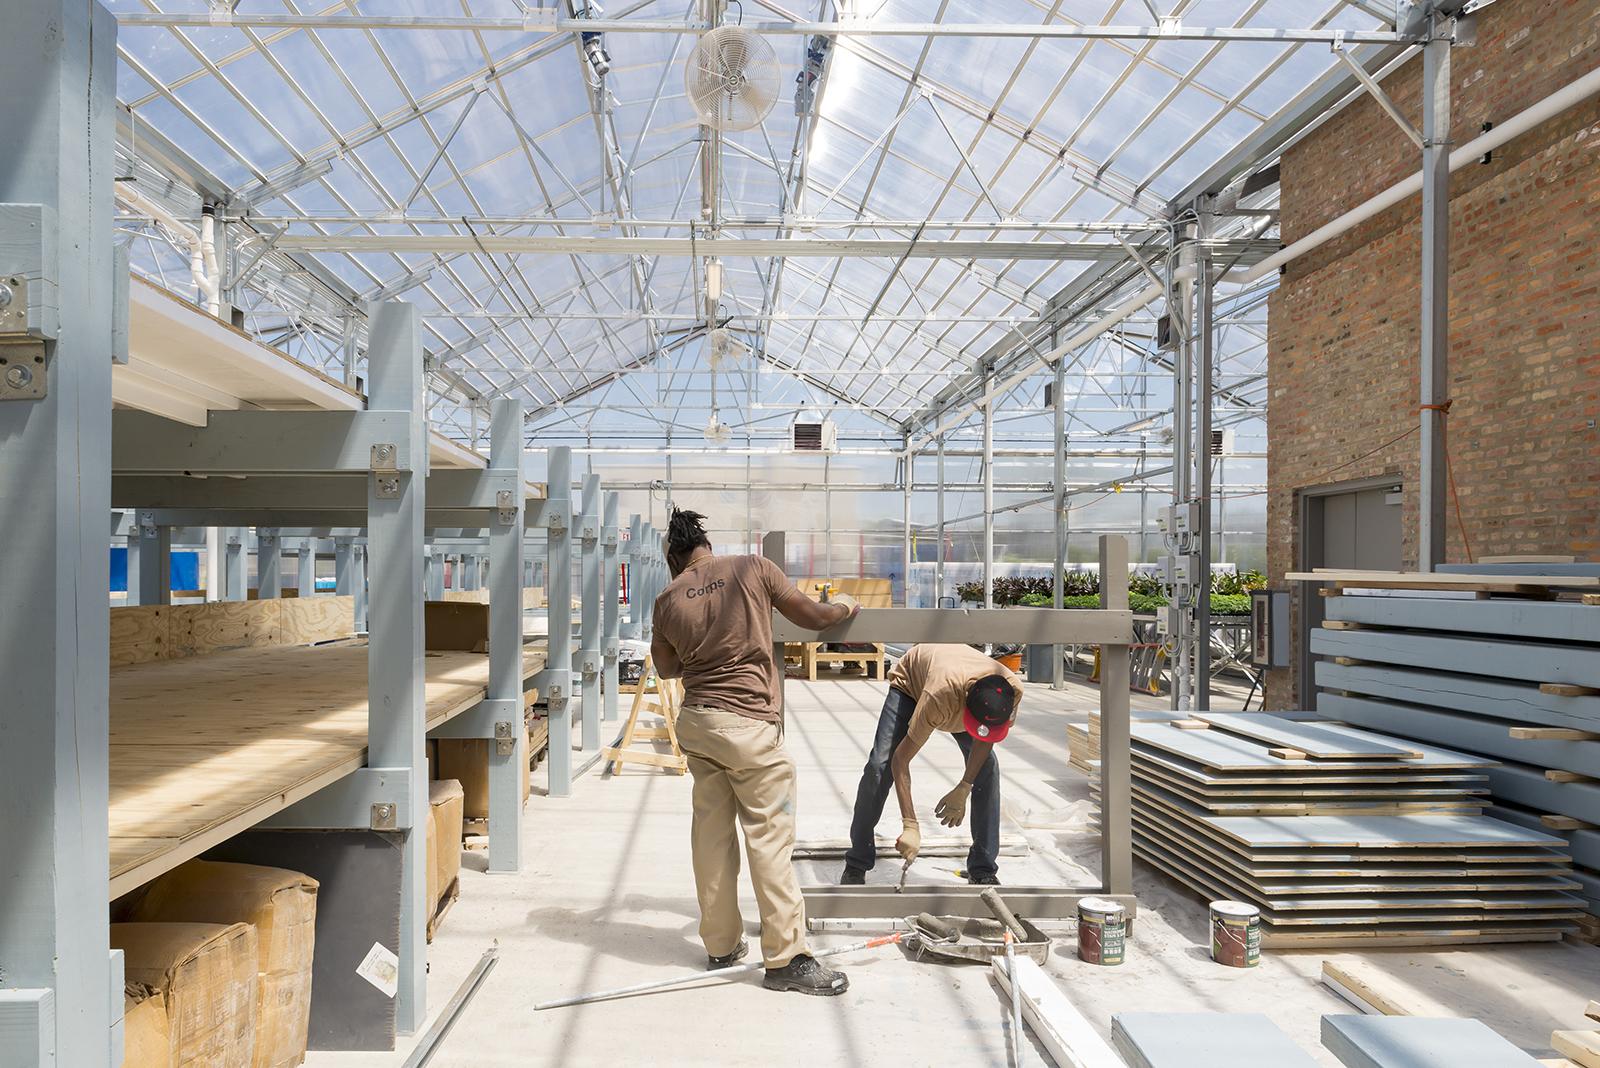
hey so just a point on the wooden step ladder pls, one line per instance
(663, 697)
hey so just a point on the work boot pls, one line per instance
(853, 876)
(804, 974)
(740, 951)
(983, 880)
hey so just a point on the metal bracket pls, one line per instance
(506, 502)
(383, 817)
(1169, 25)
(556, 686)
(385, 457)
(609, 538)
(386, 487)
(23, 374)
(505, 740)
(555, 520)
(587, 662)
(611, 649)
(590, 531)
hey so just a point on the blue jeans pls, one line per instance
(876, 782)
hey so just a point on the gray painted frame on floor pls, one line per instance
(1204, 1040)
(1555, 620)
(1418, 1042)
(1503, 657)
(1517, 701)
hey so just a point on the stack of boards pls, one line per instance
(1506, 665)
(1341, 835)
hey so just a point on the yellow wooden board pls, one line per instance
(204, 747)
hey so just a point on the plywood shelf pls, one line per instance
(205, 747)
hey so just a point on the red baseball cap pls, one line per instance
(987, 715)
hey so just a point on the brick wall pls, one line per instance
(1524, 306)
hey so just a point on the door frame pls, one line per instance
(1309, 504)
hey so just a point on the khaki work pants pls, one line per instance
(742, 772)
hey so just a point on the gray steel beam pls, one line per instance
(263, 442)
(269, 563)
(508, 756)
(471, 573)
(361, 588)
(632, 628)
(344, 570)
(1116, 785)
(58, 74)
(1058, 679)
(396, 713)
(961, 626)
(883, 902)
(1205, 349)
(305, 573)
(557, 678)
(610, 591)
(589, 644)
(1434, 371)
(435, 574)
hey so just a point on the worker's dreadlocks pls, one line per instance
(685, 532)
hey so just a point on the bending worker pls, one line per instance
(950, 688)
(713, 628)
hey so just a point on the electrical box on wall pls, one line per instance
(1179, 518)
(1269, 628)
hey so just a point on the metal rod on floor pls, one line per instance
(422, 1053)
(718, 975)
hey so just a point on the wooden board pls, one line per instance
(1065, 1033)
(1582, 1046)
(1309, 739)
(1204, 1040)
(1225, 752)
(1436, 580)
(205, 747)
(1528, 786)
(143, 633)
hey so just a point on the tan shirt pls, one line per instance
(938, 677)
(717, 616)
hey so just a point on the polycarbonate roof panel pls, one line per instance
(464, 135)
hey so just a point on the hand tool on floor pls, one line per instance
(720, 975)
(1002, 912)
(1016, 1000)
(931, 924)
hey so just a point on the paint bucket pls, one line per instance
(1235, 934)
(1102, 931)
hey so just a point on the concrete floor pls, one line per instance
(606, 899)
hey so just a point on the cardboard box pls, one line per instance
(456, 625)
(282, 906)
(146, 1041)
(466, 760)
(205, 976)
(445, 799)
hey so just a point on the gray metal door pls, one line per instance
(1354, 526)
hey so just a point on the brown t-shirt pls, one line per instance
(717, 616)
(938, 677)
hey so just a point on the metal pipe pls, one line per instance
(988, 504)
(1058, 679)
(938, 565)
(1434, 371)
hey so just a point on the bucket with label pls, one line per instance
(1235, 934)
(1102, 931)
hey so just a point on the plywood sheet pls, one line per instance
(1309, 738)
(1418, 1042)
(207, 743)
(1225, 752)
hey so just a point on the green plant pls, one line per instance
(1079, 583)
(1241, 582)
(970, 591)
(1230, 604)
(1147, 584)
(1036, 600)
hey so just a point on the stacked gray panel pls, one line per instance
(1463, 673)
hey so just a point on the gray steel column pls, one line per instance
(508, 756)
(589, 615)
(773, 547)
(610, 590)
(361, 588)
(631, 628)
(430, 567)
(1058, 678)
(905, 524)
(1205, 327)
(1180, 306)
(647, 588)
(558, 588)
(827, 516)
(344, 561)
(1116, 784)
(269, 563)
(305, 575)
(471, 573)
(1435, 354)
(155, 561)
(235, 583)
(988, 497)
(396, 717)
(132, 538)
(58, 73)
(938, 563)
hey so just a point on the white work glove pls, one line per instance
(849, 602)
(910, 841)
(952, 808)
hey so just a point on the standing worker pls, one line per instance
(952, 688)
(713, 628)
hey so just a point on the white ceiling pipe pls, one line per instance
(1519, 124)
(1473, 150)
